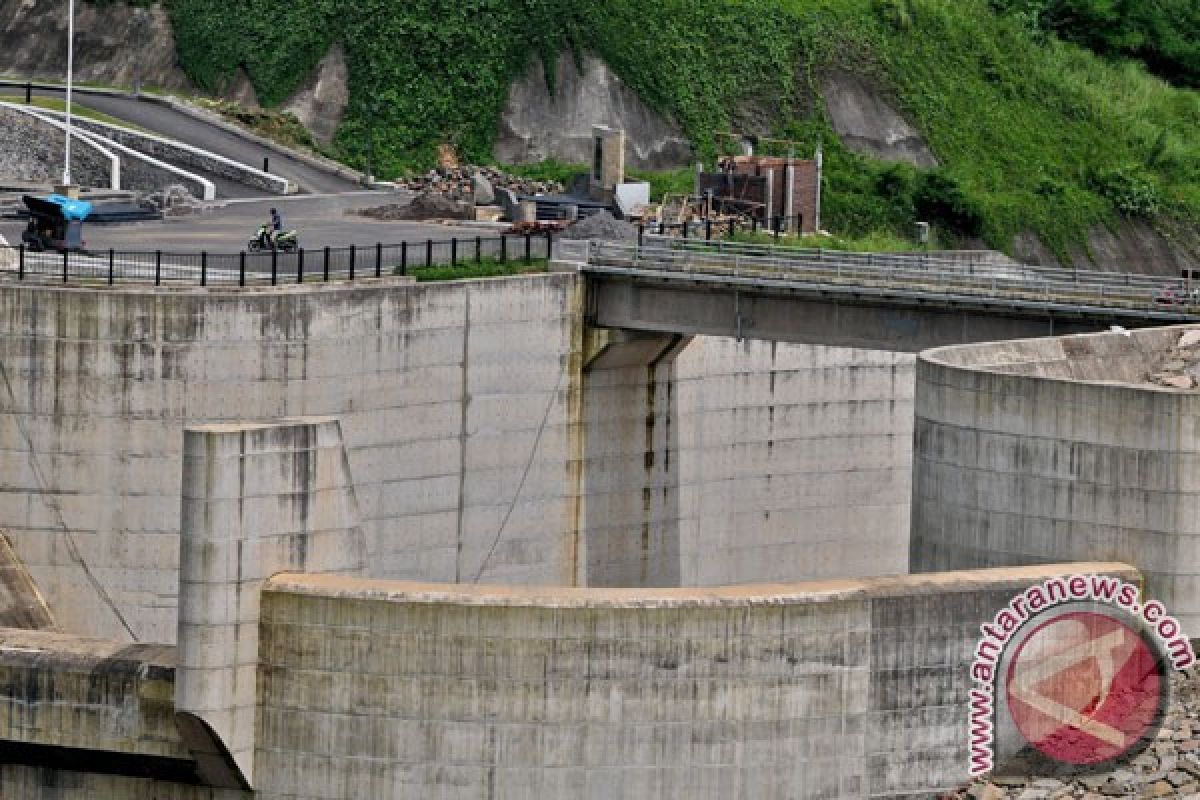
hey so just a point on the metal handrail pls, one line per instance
(887, 271)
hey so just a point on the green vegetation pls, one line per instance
(1033, 132)
(54, 104)
(1165, 34)
(281, 127)
(487, 268)
(880, 242)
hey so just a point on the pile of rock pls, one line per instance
(427, 206)
(1179, 368)
(1169, 767)
(174, 201)
(477, 183)
(603, 227)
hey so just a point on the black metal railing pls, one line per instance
(271, 267)
(712, 230)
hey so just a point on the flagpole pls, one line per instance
(70, 73)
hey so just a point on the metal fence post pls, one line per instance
(21, 262)
(300, 265)
(404, 257)
(242, 268)
(28, 92)
(111, 265)
(641, 233)
(429, 252)
(274, 266)
(353, 253)
(378, 259)
(204, 268)
(478, 249)
(158, 267)
(454, 252)
(549, 245)
(66, 267)
(503, 249)
(326, 267)
(708, 230)
(528, 248)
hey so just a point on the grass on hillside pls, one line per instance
(1033, 134)
(875, 242)
(77, 110)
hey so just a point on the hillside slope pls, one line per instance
(1045, 148)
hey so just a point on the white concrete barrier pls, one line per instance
(8, 256)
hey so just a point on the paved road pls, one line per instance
(176, 125)
(322, 221)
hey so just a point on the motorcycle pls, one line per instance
(1177, 295)
(284, 241)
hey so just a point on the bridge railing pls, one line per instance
(873, 272)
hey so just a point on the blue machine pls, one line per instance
(55, 223)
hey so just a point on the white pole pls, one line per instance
(70, 72)
(820, 175)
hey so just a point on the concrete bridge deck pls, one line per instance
(905, 302)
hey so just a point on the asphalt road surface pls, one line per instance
(321, 221)
(173, 124)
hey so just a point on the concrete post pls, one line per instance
(629, 498)
(770, 212)
(257, 499)
(789, 203)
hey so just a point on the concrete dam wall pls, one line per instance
(1051, 450)
(481, 443)
(372, 689)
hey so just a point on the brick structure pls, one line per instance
(769, 188)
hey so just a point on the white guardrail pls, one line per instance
(909, 271)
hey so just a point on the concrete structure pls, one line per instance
(257, 500)
(1057, 449)
(368, 689)
(484, 432)
(459, 404)
(905, 302)
(710, 461)
(608, 162)
(127, 168)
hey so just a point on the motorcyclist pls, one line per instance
(274, 228)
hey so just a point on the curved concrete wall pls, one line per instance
(1055, 450)
(847, 689)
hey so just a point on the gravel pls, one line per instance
(1169, 767)
(1179, 367)
(603, 227)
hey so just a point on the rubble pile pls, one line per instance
(1169, 767)
(429, 205)
(175, 200)
(1179, 368)
(460, 182)
(602, 227)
